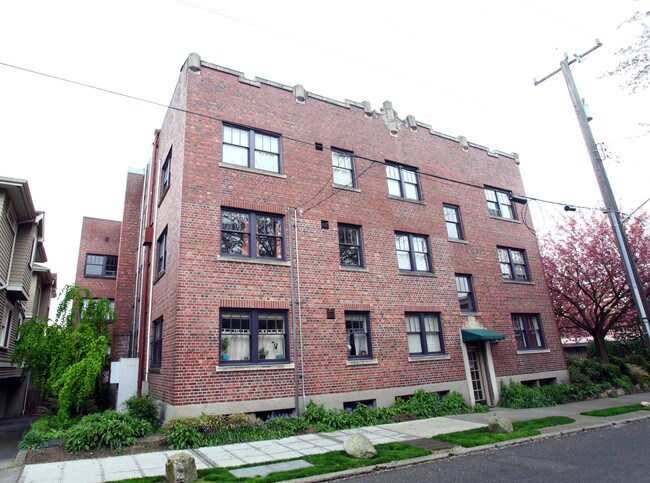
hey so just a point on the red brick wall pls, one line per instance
(197, 283)
(127, 265)
(98, 237)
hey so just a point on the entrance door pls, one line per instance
(476, 373)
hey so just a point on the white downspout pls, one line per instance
(136, 312)
(302, 358)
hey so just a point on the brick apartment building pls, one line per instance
(26, 286)
(284, 246)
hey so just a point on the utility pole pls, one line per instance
(611, 208)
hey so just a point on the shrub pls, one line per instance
(518, 396)
(637, 374)
(184, 436)
(109, 429)
(143, 407)
(174, 423)
(33, 439)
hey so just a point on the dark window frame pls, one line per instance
(457, 224)
(471, 296)
(254, 357)
(401, 168)
(343, 244)
(525, 331)
(349, 331)
(423, 333)
(253, 234)
(500, 204)
(104, 265)
(351, 170)
(7, 324)
(165, 174)
(512, 265)
(252, 132)
(412, 252)
(161, 253)
(156, 342)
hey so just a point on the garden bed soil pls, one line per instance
(149, 444)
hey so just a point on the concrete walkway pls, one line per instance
(153, 464)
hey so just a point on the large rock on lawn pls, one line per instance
(498, 423)
(181, 468)
(358, 446)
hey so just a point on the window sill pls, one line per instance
(154, 370)
(418, 274)
(162, 196)
(361, 362)
(158, 277)
(346, 188)
(509, 220)
(253, 170)
(533, 351)
(458, 240)
(112, 277)
(431, 357)
(471, 314)
(408, 200)
(518, 282)
(353, 269)
(255, 367)
(256, 261)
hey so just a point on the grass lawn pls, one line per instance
(481, 436)
(322, 463)
(603, 413)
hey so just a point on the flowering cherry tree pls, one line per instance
(586, 279)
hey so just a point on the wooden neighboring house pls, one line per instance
(26, 286)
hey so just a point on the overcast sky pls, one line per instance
(464, 67)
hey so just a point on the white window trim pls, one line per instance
(6, 324)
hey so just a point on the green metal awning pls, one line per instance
(480, 335)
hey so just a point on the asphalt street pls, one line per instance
(617, 453)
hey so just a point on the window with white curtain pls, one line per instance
(253, 336)
(357, 330)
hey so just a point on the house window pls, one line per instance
(240, 230)
(101, 266)
(251, 149)
(156, 343)
(499, 203)
(343, 168)
(413, 252)
(32, 253)
(350, 246)
(357, 330)
(111, 302)
(162, 252)
(424, 333)
(465, 290)
(5, 330)
(403, 182)
(165, 173)
(254, 336)
(513, 264)
(452, 220)
(528, 331)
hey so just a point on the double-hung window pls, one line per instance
(424, 333)
(528, 331)
(413, 252)
(251, 234)
(101, 266)
(465, 290)
(403, 182)
(251, 149)
(165, 174)
(343, 168)
(156, 343)
(350, 249)
(499, 203)
(5, 329)
(452, 221)
(254, 336)
(162, 252)
(357, 329)
(513, 264)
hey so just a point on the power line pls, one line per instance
(301, 141)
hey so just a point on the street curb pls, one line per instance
(20, 457)
(457, 451)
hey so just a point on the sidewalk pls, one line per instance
(153, 464)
